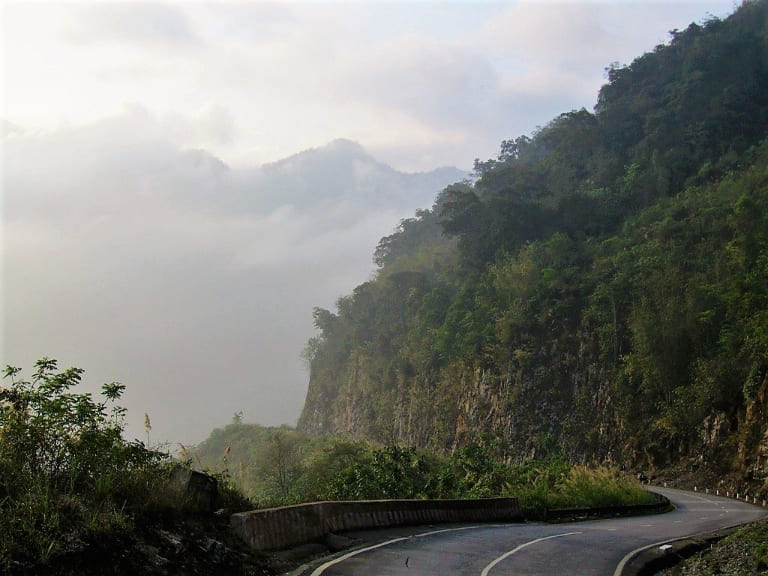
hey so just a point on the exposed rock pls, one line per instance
(152, 554)
(215, 549)
(200, 489)
(175, 542)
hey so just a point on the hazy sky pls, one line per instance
(142, 241)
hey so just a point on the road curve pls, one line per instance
(596, 548)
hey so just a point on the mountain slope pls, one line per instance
(600, 290)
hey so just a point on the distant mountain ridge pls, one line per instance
(225, 261)
(342, 170)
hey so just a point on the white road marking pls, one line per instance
(490, 566)
(620, 567)
(323, 567)
(628, 557)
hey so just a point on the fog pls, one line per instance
(191, 282)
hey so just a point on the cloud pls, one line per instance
(422, 85)
(428, 80)
(161, 25)
(190, 281)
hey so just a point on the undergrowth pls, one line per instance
(281, 466)
(67, 475)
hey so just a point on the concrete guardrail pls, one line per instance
(662, 504)
(276, 528)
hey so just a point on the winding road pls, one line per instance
(599, 548)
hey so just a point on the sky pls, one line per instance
(153, 231)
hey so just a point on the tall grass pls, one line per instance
(597, 487)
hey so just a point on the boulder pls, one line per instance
(199, 489)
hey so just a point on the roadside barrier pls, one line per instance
(276, 528)
(744, 497)
(662, 504)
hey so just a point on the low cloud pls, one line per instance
(190, 281)
(131, 24)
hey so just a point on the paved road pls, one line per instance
(582, 548)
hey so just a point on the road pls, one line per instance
(581, 548)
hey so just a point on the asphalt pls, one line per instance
(599, 547)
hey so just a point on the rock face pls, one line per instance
(199, 489)
(753, 444)
(530, 408)
(562, 403)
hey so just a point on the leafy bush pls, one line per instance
(330, 468)
(65, 470)
(391, 472)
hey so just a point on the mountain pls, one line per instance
(343, 172)
(600, 291)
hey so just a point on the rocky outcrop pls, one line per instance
(199, 490)
(753, 439)
(557, 402)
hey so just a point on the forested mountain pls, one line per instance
(600, 289)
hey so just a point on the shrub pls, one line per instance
(65, 469)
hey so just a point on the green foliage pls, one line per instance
(390, 472)
(474, 472)
(65, 470)
(336, 469)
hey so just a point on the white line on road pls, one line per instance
(323, 567)
(488, 568)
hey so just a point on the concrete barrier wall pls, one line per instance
(662, 504)
(276, 528)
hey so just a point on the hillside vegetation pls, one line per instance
(599, 290)
(279, 466)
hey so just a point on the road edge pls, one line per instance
(655, 557)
